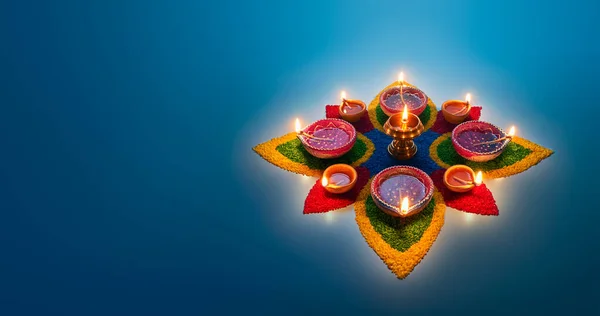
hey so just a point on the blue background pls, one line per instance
(128, 184)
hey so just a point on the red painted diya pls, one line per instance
(391, 100)
(479, 141)
(392, 185)
(328, 138)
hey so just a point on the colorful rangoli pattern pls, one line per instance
(400, 243)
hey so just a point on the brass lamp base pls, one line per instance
(403, 147)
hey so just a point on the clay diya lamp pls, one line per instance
(393, 99)
(456, 111)
(461, 178)
(403, 128)
(339, 178)
(351, 110)
(480, 141)
(327, 138)
(402, 191)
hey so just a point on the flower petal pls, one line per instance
(519, 155)
(389, 241)
(288, 153)
(477, 201)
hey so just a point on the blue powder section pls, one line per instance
(381, 159)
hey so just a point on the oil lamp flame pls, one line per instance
(343, 95)
(478, 178)
(405, 114)
(468, 98)
(401, 77)
(511, 132)
(298, 125)
(324, 182)
(404, 206)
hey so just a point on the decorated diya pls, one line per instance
(339, 178)
(327, 138)
(393, 99)
(461, 178)
(351, 110)
(399, 185)
(479, 141)
(456, 111)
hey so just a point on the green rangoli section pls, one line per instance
(399, 233)
(511, 154)
(294, 151)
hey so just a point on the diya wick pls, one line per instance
(403, 205)
(401, 83)
(404, 117)
(462, 181)
(464, 107)
(303, 133)
(510, 135)
(343, 96)
(477, 181)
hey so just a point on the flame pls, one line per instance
(405, 114)
(468, 98)
(298, 129)
(404, 207)
(343, 95)
(478, 178)
(511, 132)
(324, 182)
(401, 77)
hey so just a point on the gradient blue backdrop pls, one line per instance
(124, 126)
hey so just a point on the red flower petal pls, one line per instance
(442, 126)
(478, 201)
(362, 126)
(321, 201)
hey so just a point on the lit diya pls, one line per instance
(461, 178)
(393, 99)
(403, 128)
(456, 111)
(351, 110)
(402, 191)
(327, 138)
(339, 178)
(480, 141)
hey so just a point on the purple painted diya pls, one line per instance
(391, 101)
(479, 141)
(392, 185)
(328, 138)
